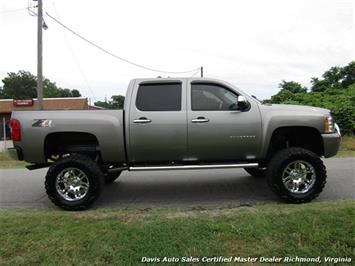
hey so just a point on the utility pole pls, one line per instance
(39, 56)
(202, 72)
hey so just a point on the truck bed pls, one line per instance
(106, 125)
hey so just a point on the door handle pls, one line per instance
(142, 120)
(200, 119)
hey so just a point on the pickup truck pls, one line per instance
(177, 124)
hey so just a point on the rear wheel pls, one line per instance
(74, 182)
(296, 175)
(256, 172)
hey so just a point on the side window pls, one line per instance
(159, 97)
(211, 97)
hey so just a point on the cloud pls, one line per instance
(253, 44)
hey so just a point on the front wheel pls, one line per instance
(74, 182)
(296, 175)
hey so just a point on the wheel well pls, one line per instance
(304, 137)
(57, 144)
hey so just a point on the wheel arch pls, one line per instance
(59, 143)
(294, 136)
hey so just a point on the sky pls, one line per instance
(253, 44)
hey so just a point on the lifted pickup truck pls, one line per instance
(174, 124)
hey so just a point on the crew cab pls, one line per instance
(177, 124)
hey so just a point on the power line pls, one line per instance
(197, 71)
(116, 56)
(12, 10)
(31, 6)
(76, 59)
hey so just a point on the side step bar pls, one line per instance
(193, 167)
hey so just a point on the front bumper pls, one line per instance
(16, 153)
(331, 144)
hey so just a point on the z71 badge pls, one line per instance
(42, 123)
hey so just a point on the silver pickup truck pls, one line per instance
(177, 124)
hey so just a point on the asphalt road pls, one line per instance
(185, 188)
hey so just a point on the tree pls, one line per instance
(333, 75)
(102, 104)
(292, 86)
(288, 91)
(335, 78)
(22, 85)
(282, 96)
(116, 102)
(334, 91)
(319, 85)
(348, 74)
(75, 93)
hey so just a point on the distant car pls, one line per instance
(173, 124)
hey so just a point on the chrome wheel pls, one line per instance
(299, 177)
(72, 184)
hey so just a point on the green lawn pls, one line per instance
(347, 148)
(123, 237)
(7, 162)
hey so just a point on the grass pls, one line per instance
(347, 148)
(123, 237)
(7, 162)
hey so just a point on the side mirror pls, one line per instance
(243, 104)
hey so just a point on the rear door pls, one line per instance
(157, 121)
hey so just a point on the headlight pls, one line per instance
(329, 123)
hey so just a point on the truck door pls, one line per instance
(215, 131)
(157, 122)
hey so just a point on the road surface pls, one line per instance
(183, 189)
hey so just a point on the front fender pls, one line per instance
(274, 119)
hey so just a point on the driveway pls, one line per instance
(185, 188)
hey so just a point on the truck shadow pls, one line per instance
(185, 189)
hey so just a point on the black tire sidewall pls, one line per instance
(285, 158)
(92, 172)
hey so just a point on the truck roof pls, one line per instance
(179, 78)
(189, 79)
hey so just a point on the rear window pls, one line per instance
(159, 97)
